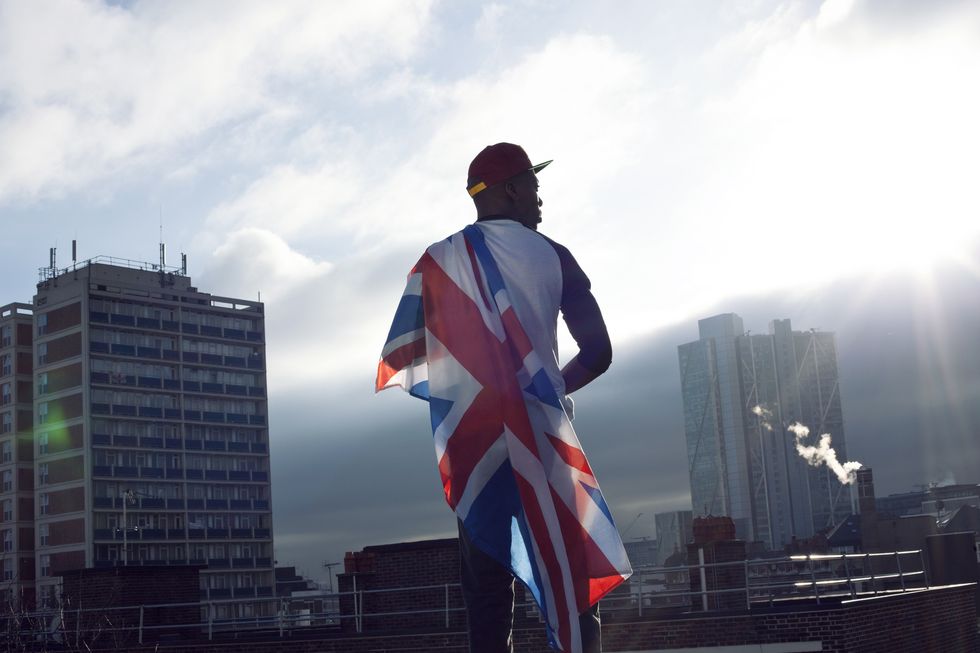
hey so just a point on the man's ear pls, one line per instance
(511, 189)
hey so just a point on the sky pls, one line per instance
(801, 159)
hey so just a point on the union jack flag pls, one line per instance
(511, 464)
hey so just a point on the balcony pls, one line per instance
(150, 411)
(241, 533)
(263, 562)
(238, 446)
(98, 316)
(264, 590)
(195, 504)
(235, 361)
(195, 534)
(260, 476)
(149, 382)
(102, 502)
(217, 533)
(148, 352)
(151, 472)
(176, 534)
(171, 413)
(239, 563)
(255, 363)
(174, 472)
(256, 391)
(211, 416)
(211, 359)
(151, 442)
(193, 445)
(234, 475)
(261, 504)
(124, 320)
(212, 388)
(175, 504)
(152, 502)
(100, 409)
(190, 357)
(219, 563)
(235, 334)
(169, 325)
(210, 331)
(177, 561)
(122, 350)
(217, 504)
(148, 323)
(194, 474)
(240, 504)
(99, 377)
(102, 533)
(101, 439)
(259, 447)
(258, 420)
(254, 336)
(125, 472)
(123, 409)
(171, 355)
(192, 415)
(192, 386)
(124, 440)
(171, 384)
(173, 443)
(240, 390)
(187, 327)
(262, 533)
(98, 347)
(214, 445)
(244, 591)
(153, 534)
(237, 418)
(215, 475)
(102, 470)
(220, 593)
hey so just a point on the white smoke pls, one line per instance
(765, 414)
(823, 453)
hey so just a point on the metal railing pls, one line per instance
(818, 578)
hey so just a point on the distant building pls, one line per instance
(16, 454)
(642, 552)
(674, 531)
(151, 440)
(744, 465)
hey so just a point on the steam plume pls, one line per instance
(823, 453)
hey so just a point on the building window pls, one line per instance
(42, 474)
(8, 569)
(8, 480)
(8, 509)
(6, 422)
(42, 324)
(42, 443)
(5, 365)
(43, 531)
(42, 413)
(6, 336)
(5, 395)
(6, 451)
(45, 565)
(8, 539)
(45, 503)
(42, 353)
(42, 384)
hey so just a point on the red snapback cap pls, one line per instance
(497, 163)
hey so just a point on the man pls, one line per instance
(476, 335)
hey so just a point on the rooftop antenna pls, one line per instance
(183, 264)
(74, 251)
(53, 253)
(163, 247)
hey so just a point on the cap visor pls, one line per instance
(541, 166)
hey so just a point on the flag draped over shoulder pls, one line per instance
(511, 464)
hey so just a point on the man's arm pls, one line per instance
(584, 320)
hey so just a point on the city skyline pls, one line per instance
(804, 160)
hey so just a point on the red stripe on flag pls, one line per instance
(515, 332)
(549, 556)
(573, 456)
(585, 558)
(398, 360)
(477, 431)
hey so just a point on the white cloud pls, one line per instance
(89, 89)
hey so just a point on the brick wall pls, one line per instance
(64, 317)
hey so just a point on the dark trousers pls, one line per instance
(488, 591)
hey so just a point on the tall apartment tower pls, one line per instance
(16, 456)
(151, 435)
(742, 464)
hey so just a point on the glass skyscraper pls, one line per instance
(744, 464)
